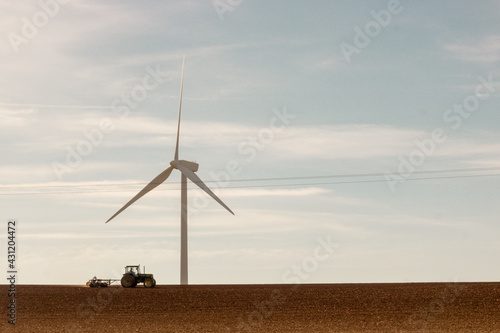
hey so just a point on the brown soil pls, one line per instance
(416, 307)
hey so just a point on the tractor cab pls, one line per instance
(133, 270)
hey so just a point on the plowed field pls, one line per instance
(416, 307)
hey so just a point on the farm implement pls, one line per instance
(130, 279)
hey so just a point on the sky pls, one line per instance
(355, 141)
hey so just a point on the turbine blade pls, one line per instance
(176, 156)
(154, 183)
(195, 179)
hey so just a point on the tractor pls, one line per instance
(133, 276)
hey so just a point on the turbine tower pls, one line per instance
(187, 170)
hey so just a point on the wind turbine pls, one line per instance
(187, 170)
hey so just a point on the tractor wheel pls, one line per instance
(128, 281)
(154, 283)
(103, 285)
(149, 283)
(88, 284)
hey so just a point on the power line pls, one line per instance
(267, 186)
(354, 175)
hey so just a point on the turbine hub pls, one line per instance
(187, 164)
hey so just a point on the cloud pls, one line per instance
(344, 141)
(469, 149)
(20, 173)
(298, 192)
(49, 133)
(100, 190)
(55, 106)
(16, 118)
(486, 50)
(92, 235)
(198, 53)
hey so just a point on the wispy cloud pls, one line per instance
(16, 118)
(55, 106)
(346, 141)
(486, 50)
(298, 192)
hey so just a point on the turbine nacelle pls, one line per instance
(187, 164)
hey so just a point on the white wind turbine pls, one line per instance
(187, 170)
